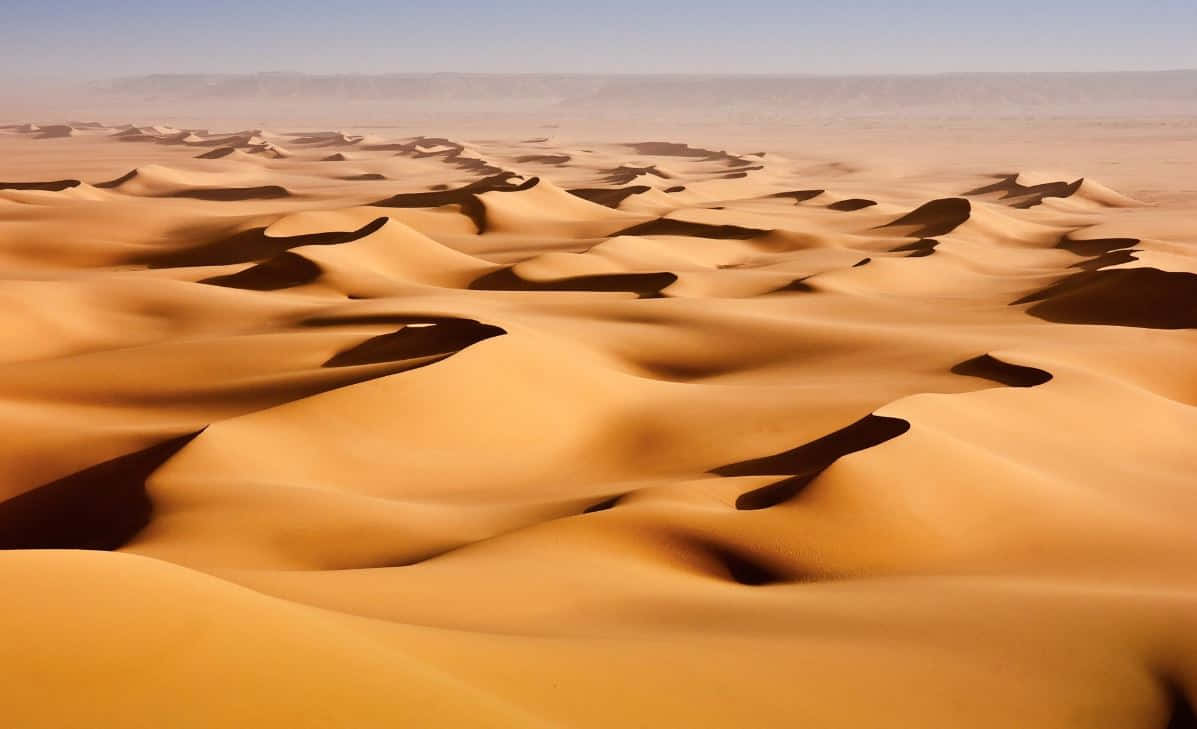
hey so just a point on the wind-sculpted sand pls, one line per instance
(324, 429)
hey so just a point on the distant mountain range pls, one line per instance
(1135, 92)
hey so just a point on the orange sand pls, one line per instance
(365, 431)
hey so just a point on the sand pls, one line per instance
(311, 428)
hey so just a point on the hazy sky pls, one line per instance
(123, 37)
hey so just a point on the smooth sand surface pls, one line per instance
(353, 429)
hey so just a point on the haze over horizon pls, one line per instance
(103, 40)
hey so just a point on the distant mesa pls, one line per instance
(705, 95)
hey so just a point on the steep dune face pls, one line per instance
(333, 429)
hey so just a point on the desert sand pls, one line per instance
(318, 428)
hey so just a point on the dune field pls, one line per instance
(309, 428)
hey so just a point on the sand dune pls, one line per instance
(343, 428)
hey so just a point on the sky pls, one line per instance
(91, 40)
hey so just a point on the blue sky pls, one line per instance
(120, 37)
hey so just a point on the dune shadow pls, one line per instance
(283, 271)
(450, 152)
(101, 507)
(233, 194)
(1095, 246)
(851, 204)
(1113, 258)
(442, 338)
(464, 197)
(739, 566)
(603, 505)
(804, 463)
(988, 367)
(669, 226)
(543, 159)
(217, 153)
(644, 285)
(49, 186)
(1027, 196)
(797, 286)
(253, 245)
(1129, 297)
(609, 197)
(677, 149)
(110, 184)
(1101, 252)
(798, 196)
(1182, 716)
(624, 174)
(741, 173)
(938, 217)
(919, 249)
